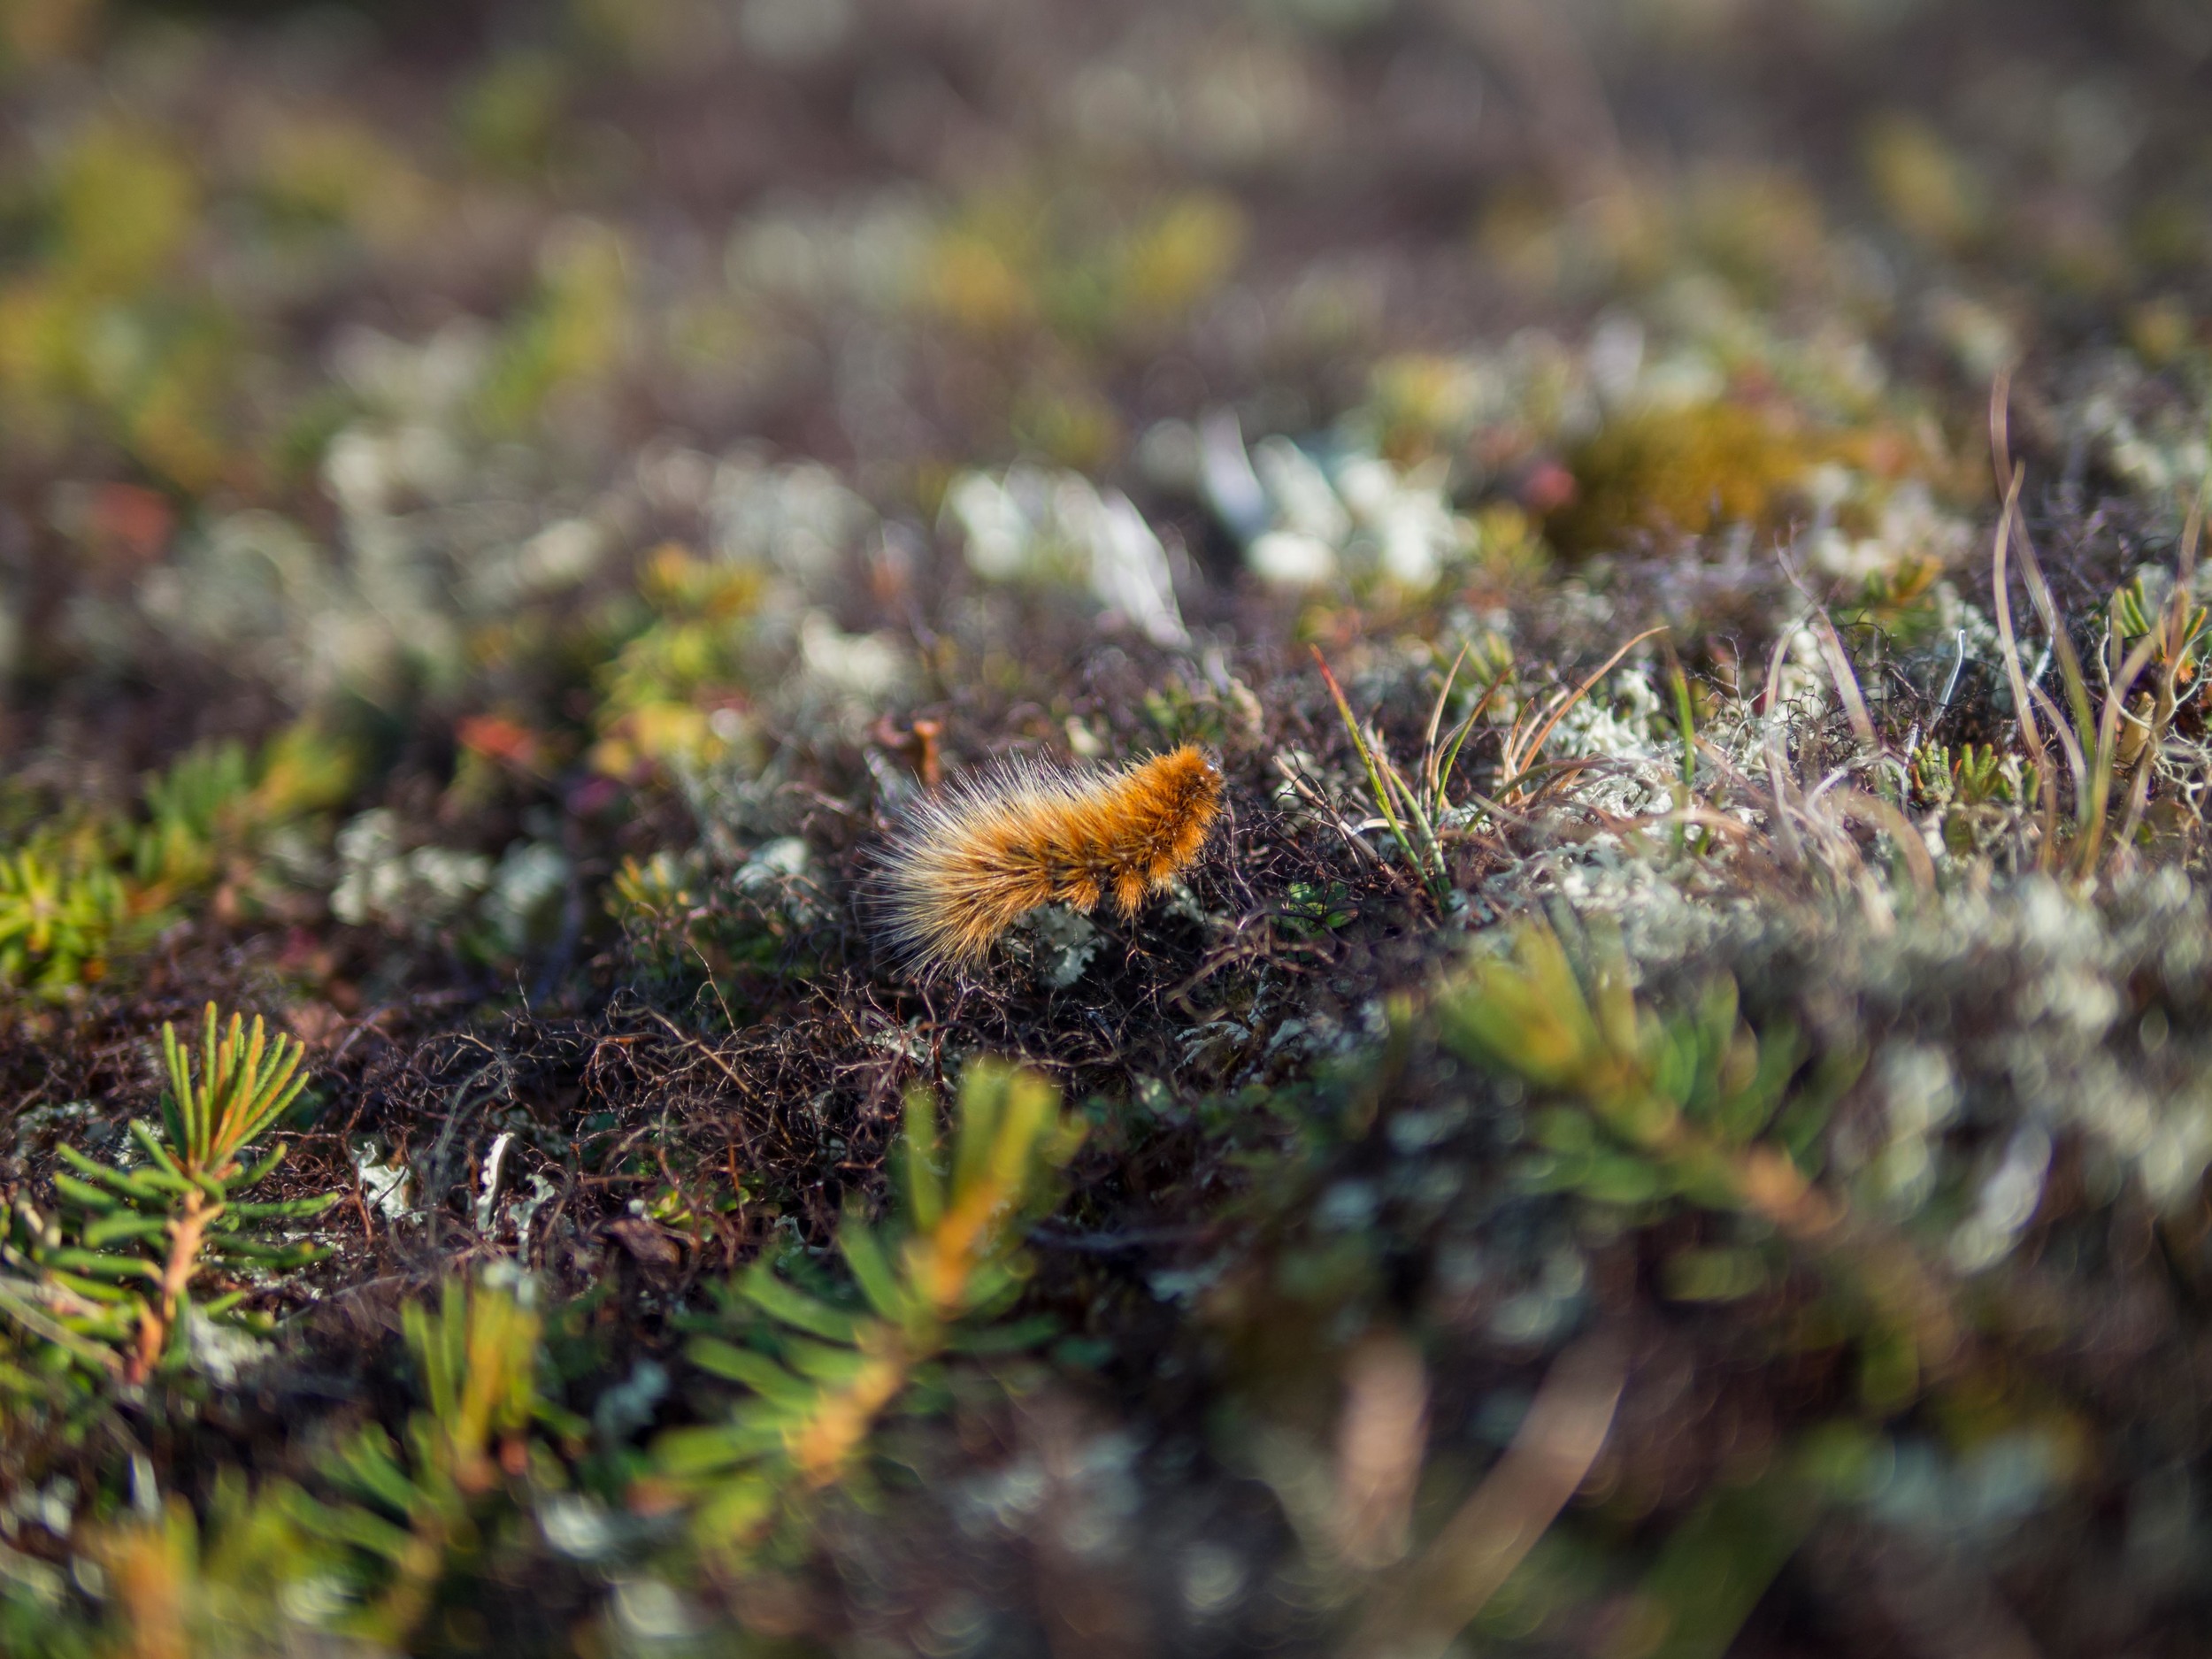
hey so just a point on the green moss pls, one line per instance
(1685, 472)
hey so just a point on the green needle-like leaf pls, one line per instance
(795, 1308)
(755, 1370)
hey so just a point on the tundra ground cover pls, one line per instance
(1672, 1116)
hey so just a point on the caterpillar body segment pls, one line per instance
(976, 858)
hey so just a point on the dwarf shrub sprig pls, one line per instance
(212, 816)
(1695, 1104)
(60, 917)
(117, 1263)
(818, 1374)
(1641, 1109)
(274, 1564)
(75, 901)
(415, 1513)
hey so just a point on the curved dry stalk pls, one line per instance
(1777, 762)
(2022, 705)
(1514, 761)
(1418, 1613)
(2077, 762)
(1870, 809)
(1846, 680)
(2108, 752)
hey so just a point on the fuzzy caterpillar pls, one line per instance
(979, 856)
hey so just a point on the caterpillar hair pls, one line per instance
(974, 859)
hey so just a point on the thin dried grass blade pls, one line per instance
(1419, 1614)
(1536, 744)
(1846, 678)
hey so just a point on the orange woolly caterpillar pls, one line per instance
(976, 858)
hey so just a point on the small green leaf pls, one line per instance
(367, 1464)
(287, 1210)
(919, 1155)
(704, 1450)
(277, 1256)
(830, 1363)
(1714, 1274)
(1616, 1178)
(871, 1271)
(83, 1194)
(735, 1510)
(259, 1172)
(777, 1298)
(91, 1262)
(750, 1367)
(1563, 1129)
(113, 1229)
(348, 1525)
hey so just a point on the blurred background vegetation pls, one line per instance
(1672, 1120)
